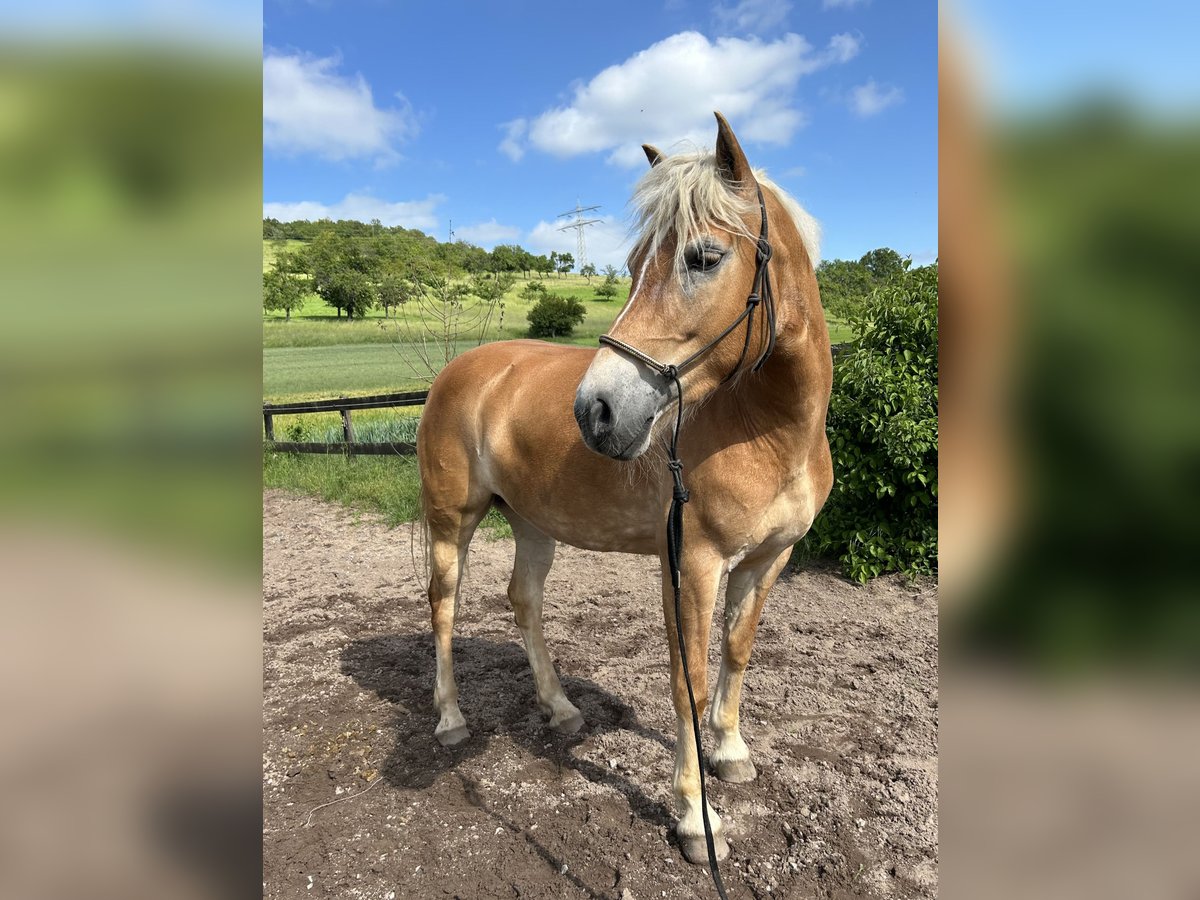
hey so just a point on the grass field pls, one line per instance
(291, 373)
(315, 324)
(315, 354)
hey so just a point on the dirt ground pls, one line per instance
(840, 711)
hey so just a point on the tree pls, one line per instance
(322, 259)
(533, 291)
(352, 291)
(884, 263)
(555, 316)
(609, 288)
(395, 290)
(588, 272)
(282, 290)
(492, 290)
(845, 286)
(566, 262)
(472, 259)
(542, 265)
(506, 258)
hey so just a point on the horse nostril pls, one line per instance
(601, 412)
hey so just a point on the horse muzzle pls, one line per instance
(616, 414)
(607, 435)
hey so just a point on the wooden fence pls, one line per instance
(345, 406)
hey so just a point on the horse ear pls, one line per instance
(731, 161)
(653, 154)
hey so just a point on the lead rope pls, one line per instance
(760, 292)
(679, 497)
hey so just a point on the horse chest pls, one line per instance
(769, 514)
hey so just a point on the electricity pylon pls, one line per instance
(579, 225)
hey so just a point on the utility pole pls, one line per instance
(579, 224)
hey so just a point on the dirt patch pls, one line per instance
(840, 711)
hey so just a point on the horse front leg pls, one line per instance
(701, 568)
(745, 595)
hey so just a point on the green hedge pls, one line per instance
(883, 430)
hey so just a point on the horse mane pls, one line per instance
(686, 196)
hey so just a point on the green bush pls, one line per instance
(555, 316)
(883, 431)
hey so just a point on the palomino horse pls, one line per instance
(503, 422)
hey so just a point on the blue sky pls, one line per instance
(498, 116)
(1041, 56)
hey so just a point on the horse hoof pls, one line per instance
(695, 850)
(734, 771)
(569, 724)
(452, 737)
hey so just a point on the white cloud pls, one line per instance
(843, 48)
(666, 94)
(750, 16)
(487, 234)
(871, 99)
(607, 241)
(843, 4)
(795, 172)
(363, 208)
(308, 108)
(511, 145)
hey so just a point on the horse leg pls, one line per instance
(701, 578)
(535, 555)
(448, 556)
(745, 594)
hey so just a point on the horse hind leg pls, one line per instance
(448, 555)
(534, 557)
(745, 595)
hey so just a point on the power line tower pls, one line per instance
(579, 224)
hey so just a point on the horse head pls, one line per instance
(699, 310)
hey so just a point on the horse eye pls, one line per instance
(703, 258)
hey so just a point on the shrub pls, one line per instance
(608, 289)
(883, 431)
(555, 316)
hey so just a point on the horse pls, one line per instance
(570, 444)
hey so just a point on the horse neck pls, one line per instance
(786, 400)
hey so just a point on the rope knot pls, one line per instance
(680, 494)
(671, 372)
(752, 300)
(764, 250)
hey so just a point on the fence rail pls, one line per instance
(343, 405)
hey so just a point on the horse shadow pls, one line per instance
(497, 698)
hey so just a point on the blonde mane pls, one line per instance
(686, 196)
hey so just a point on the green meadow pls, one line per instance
(315, 354)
